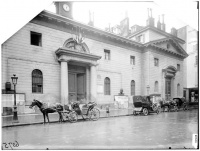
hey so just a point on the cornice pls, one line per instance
(68, 52)
(167, 39)
(157, 30)
(166, 50)
(95, 30)
(52, 17)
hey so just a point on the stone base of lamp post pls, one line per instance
(15, 117)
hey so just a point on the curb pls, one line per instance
(79, 119)
(66, 121)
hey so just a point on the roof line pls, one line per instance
(183, 55)
(157, 30)
(165, 39)
(90, 28)
(97, 30)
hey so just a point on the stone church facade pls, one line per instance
(59, 59)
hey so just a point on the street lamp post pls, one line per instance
(14, 81)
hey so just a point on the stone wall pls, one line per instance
(21, 58)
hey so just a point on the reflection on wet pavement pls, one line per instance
(161, 131)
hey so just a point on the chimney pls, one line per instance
(124, 26)
(174, 31)
(148, 12)
(163, 24)
(150, 19)
(158, 23)
(64, 9)
(108, 28)
(91, 19)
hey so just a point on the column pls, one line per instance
(64, 83)
(173, 88)
(93, 83)
(163, 85)
(87, 84)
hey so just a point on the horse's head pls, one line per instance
(33, 104)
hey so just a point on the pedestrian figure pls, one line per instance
(107, 111)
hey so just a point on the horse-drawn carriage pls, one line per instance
(87, 111)
(181, 103)
(169, 105)
(174, 104)
(146, 104)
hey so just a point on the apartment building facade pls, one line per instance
(190, 35)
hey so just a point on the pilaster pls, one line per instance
(64, 83)
(93, 83)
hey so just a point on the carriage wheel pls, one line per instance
(94, 114)
(73, 117)
(185, 107)
(154, 107)
(134, 113)
(145, 111)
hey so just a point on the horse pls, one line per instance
(46, 110)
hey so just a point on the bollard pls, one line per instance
(107, 111)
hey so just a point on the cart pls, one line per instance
(87, 111)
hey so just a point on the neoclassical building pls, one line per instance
(57, 58)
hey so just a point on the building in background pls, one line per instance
(59, 59)
(190, 36)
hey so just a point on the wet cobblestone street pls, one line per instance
(173, 129)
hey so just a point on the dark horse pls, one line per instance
(46, 110)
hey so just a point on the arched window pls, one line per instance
(156, 87)
(107, 86)
(132, 87)
(37, 81)
(178, 89)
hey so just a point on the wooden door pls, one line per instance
(81, 86)
(72, 87)
(167, 88)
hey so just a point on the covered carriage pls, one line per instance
(146, 104)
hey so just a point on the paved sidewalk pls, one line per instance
(28, 119)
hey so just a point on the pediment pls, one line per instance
(169, 45)
(66, 54)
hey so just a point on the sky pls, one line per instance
(105, 13)
(178, 13)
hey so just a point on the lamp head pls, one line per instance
(14, 79)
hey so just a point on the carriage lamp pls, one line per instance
(14, 81)
(148, 88)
